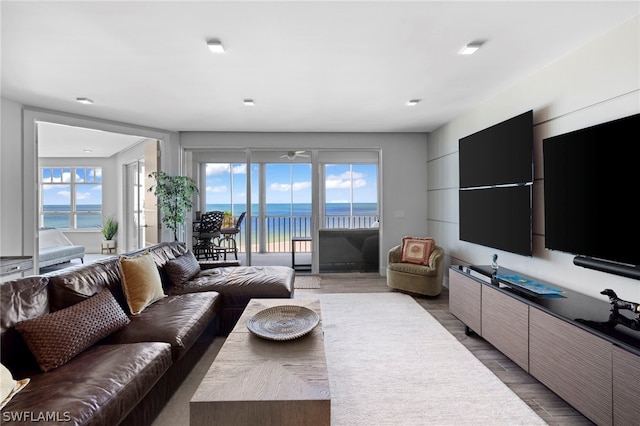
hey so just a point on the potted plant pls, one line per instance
(174, 198)
(109, 230)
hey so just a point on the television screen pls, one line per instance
(500, 154)
(591, 186)
(497, 217)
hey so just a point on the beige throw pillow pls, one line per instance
(8, 386)
(141, 282)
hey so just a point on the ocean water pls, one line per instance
(89, 219)
(283, 219)
(300, 209)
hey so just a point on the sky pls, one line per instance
(285, 182)
(56, 188)
(291, 182)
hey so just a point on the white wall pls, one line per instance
(594, 84)
(402, 172)
(11, 209)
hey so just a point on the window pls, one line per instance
(71, 197)
(351, 195)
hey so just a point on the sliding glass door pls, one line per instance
(286, 196)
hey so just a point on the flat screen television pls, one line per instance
(496, 174)
(591, 187)
(500, 154)
(497, 217)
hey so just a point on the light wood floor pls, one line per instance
(544, 402)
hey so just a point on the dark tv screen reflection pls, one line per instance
(497, 217)
(591, 188)
(500, 154)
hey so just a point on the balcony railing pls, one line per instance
(280, 229)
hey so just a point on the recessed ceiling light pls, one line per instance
(471, 48)
(215, 46)
(85, 101)
(249, 102)
(413, 102)
(88, 151)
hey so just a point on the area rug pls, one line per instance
(307, 281)
(391, 363)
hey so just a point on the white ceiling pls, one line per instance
(55, 140)
(325, 66)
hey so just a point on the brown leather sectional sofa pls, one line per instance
(128, 376)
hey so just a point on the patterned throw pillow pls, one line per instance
(182, 268)
(141, 282)
(417, 250)
(56, 338)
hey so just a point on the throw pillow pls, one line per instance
(9, 387)
(182, 268)
(417, 250)
(141, 282)
(56, 338)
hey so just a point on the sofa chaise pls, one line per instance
(93, 355)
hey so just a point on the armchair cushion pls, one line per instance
(417, 250)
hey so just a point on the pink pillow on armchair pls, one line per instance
(417, 250)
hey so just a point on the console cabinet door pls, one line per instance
(505, 324)
(626, 387)
(573, 363)
(464, 300)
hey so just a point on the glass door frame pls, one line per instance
(255, 156)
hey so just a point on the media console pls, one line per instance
(561, 340)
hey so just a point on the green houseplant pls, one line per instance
(174, 198)
(109, 228)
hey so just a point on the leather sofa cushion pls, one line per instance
(98, 387)
(163, 253)
(70, 286)
(238, 285)
(57, 337)
(20, 300)
(178, 320)
(182, 268)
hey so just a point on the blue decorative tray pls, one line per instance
(530, 285)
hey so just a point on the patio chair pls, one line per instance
(227, 242)
(205, 234)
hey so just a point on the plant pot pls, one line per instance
(108, 246)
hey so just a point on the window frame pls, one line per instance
(349, 220)
(73, 184)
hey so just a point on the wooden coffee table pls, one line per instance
(258, 381)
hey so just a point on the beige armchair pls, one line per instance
(413, 278)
